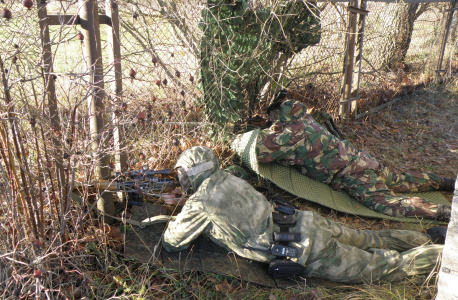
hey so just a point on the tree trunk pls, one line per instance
(399, 35)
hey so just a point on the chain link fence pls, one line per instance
(238, 80)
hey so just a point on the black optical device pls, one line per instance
(278, 250)
(283, 268)
(285, 209)
(283, 220)
(283, 251)
(287, 236)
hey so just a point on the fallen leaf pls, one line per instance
(65, 238)
(225, 284)
(313, 294)
(118, 280)
(360, 138)
(77, 293)
(379, 127)
(272, 297)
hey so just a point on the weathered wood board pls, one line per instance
(448, 274)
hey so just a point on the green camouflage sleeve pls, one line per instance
(189, 224)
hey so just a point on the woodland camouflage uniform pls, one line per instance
(242, 43)
(230, 212)
(296, 139)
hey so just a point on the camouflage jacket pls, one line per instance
(297, 139)
(227, 210)
(230, 212)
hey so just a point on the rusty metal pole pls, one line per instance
(349, 62)
(47, 63)
(89, 18)
(114, 76)
(445, 32)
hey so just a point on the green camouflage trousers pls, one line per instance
(364, 256)
(376, 189)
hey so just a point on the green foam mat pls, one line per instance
(292, 181)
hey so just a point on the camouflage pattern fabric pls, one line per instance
(230, 212)
(364, 256)
(240, 49)
(237, 171)
(194, 157)
(296, 139)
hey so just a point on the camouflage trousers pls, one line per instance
(376, 189)
(365, 256)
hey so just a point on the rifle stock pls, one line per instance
(143, 180)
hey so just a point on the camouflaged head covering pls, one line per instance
(199, 162)
(291, 111)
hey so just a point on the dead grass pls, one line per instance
(419, 133)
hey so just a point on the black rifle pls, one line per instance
(144, 181)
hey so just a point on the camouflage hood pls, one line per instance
(291, 111)
(199, 162)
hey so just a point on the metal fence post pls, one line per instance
(445, 32)
(89, 18)
(115, 78)
(47, 63)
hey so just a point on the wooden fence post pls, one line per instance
(349, 61)
(89, 20)
(47, 62)
(115, 78)
(347, 100)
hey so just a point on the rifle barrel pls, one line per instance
(101, 185)
(160, 172)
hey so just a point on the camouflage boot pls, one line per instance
(437, 235)
(447, 184)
